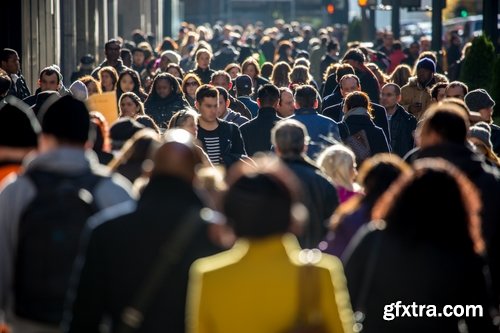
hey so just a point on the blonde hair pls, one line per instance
(338, 163)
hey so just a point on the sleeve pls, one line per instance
(197, 318)
(238, 147)
(335, 301)
(15, 195)
(87, 288)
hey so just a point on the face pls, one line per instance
(164, 63)
(424, 75)
(425, 45)
(163, 88)
(222, 107)
(127, 84)
(138, 58)
(348, 85)
(486, 114)
(388, 40)
(388, 97)
(414, 49)
(12, 65)
(191, 126)
(456, 92)
(113, 52)
(107, 81)
(174, 72)
(221, 81)
(91, 88)
(441, 94)
(191, 85)
(234, 72)
(250, 71)
(285, 107)
(203, 61)
(208, 109)
(49, 82)
(128, 107)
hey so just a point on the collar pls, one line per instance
(305, 111)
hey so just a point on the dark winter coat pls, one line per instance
(162, 109)
(257, 132)
(402, 125)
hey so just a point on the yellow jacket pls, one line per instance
(254, 288)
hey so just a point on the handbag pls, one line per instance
(169, 254)
(310, 317)
(358, 142)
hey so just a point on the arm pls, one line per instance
(197, 300)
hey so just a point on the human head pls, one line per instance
(190, 83)
(338, 162)
(112, 50)
(449, 207)
(263, 200)
(289, 138)
(108, 78)
(175, 70)
(9, 61)
(357, 99)
(299, 75)
(349, 83)
(207, 100)
(343, 69)
(438, 91)
(186, 119)
(390, 95)
(233, 69)
(425, 44)
(224, 102)
(425, 71)
(203, 58)
(306, 97)
(128, 81)
(138, 56)
(79, 90)
(65, 121)
(279, 76)
(221, 79)
(164, 85)
(286, 103)
(243, 84)
(267, 69)
(480, 135)
(93, 86)
(268, 95)
(50, 79)
(130, 105)
(251, 68)
(443, 123)
(19, 127)
(355, 58)
(126, 57)
(480, 101)
(456, 89)
(400, 75)
(168, 57)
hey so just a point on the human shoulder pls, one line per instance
(219, 262)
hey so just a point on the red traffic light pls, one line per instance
(330, 8)
(362, 3)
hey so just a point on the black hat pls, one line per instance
(19, 126)
(243, 82)
(122, 130)
(478, 99)
(427, 63)
(67, 119)
(87, 59)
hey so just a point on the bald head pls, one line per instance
(178, 155)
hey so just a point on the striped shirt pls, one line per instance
(212, 145)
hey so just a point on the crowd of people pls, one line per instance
(233, 150)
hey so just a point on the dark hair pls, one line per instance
(168, 44)
(343, 69)
(279, 76)
(231, 66)
(206, 90)
(111, 71)
(177, 67)
(127, 52)
(268, 95)
(50, 70)
(436, 87)
(6, 53)
(354, 54)
(137, 83)
(357, 99)
(135, 99)
(460, 84)
(148, 122)
(448, 207)
(267, 69)
(223, 93)
(332, 45)
(305, 96)
(250, 62)
(221, 73)
(259, 202)
(111, 41)
(448, 121)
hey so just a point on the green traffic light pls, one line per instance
(464, 13)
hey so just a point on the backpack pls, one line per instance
(48, 242)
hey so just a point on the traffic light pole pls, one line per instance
(395, 18)
(437, 25)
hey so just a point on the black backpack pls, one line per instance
(48, 242)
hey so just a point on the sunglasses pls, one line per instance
(191, 84)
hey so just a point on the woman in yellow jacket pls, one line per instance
(254, 287)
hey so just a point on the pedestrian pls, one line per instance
(9, 62)
(244, 93)
(190, 83)
(400, 75)
(279, 76)
(112, 51)
(49, 79)
(202, 69)
(130, 105)
(108, 77)
(129, 81)
(93, 86)
(369, 82)
(251, 68)
(225, 113)
(85, 67)
(223, 79)
(286, 104)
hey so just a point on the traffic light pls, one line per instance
(461, 11)
(367, 3)
(362, 3)
(330, 8)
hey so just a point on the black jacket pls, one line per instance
(379, 116)
(239, 107)
(320, 198)
(407, 272)
(20, 88)
(123, 245)
(375, 135)
(205, 75)
(161, 110)
(369, 84)
(495, 138)
(257, 132)
(334, 98)
(402, 125)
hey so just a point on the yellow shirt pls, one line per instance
(254, 288)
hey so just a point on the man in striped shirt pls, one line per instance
(221, 139)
